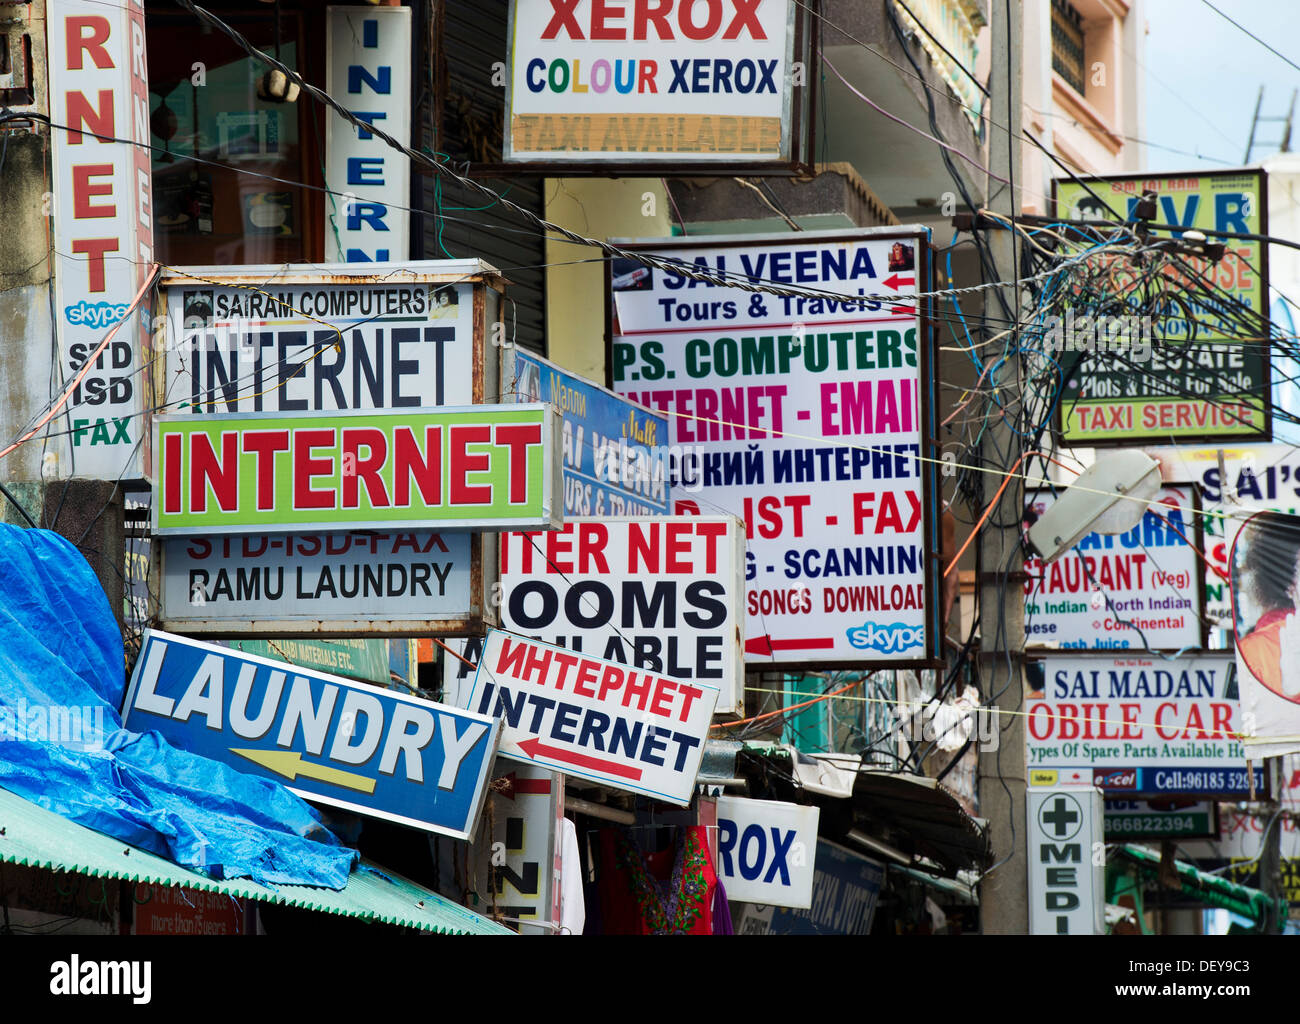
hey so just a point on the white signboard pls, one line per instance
(621, 727)
(518, 871)
(1233, 481)
(804, 417)
(103, 226)
(1137, 590)
(672, 81)
(326, 339)
(1067, 889)
(1140, 723)
(658, 594)
(368, 68)
(382, 583)
(767, 851)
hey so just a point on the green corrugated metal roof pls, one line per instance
(39, 838)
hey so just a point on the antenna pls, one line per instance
(1285, 144)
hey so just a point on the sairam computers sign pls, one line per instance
(478, 467)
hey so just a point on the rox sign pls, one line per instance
(763, 848)
(612, 21)
(475, 467)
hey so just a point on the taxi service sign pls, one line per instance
(623, 727)
(474, 467)
(372, 751)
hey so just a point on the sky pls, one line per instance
(1203, 78)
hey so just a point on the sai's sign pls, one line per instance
(766, 851)
(651, 81)
(376, 752)
(1140, 724)
(471, 468)
(1139, 590)
(626, 728)
(808, 419)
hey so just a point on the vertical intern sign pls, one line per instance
(368, 55)
(103, 233)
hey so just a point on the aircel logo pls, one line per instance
(1117, 778)
(96, 314)
(896, 636)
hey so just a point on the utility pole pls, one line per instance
(1004, 893)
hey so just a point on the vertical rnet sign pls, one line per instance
(103, 228)
(368, 57)
(805, 416)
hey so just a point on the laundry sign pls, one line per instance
(628, 728)
(475, 467)
(331, 740)
(767, 851)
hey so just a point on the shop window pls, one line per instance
(228, 164)
(1067, 45)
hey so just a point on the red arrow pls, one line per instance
(514, 786)
(535, 748)
(765, 646)
(893, 281)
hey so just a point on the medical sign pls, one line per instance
(394, 583)
(472, 467)
(373, 751)
(1140, 724)
(651, 81)
(767, 851)
(662, 595)
(626, 728)
(368, 68)
(325, 337)
(615, 452)
(1137, 590)
(103, 226)
(1194, 370)
(1067, 892)
(808, 417)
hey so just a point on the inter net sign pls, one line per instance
(477, 467)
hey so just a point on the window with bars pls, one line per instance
(1067, 44)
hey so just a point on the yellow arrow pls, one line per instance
(290, 764)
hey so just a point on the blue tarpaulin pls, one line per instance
(62, 745)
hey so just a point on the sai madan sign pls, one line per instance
(472, 468)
